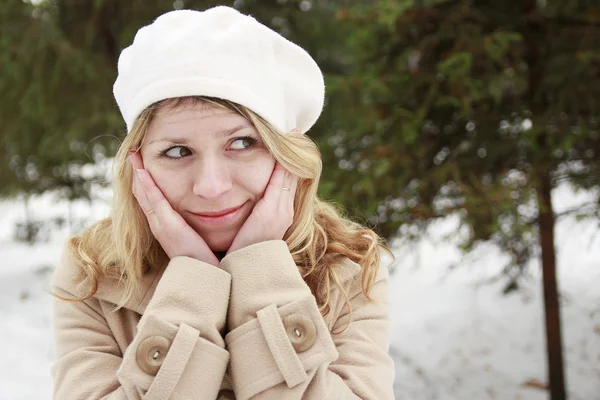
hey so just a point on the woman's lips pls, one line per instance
(220, 218)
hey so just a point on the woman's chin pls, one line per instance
(219, 242)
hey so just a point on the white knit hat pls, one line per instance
(225, 54)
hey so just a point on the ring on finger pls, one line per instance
(285, 188)
(150, 211)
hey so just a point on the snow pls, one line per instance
(454, 335)
(457, 337)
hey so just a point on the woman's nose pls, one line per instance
(213, 180)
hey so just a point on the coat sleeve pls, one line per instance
(282, 348)
(177, 352)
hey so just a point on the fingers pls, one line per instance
(175, 236)
(280, 179)
(151, 199)
(156, 199)
(277, 177)
(137, 186)
(136, 159)
(272, 193)
(290, 181)
(287, 197)
(283, 187)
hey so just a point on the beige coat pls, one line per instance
(167, 342)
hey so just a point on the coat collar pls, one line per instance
(111, 289)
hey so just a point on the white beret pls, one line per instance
(220, 53)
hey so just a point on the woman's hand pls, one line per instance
(175, 236)
(273, 214)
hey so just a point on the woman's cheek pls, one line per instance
(256, 175)
(171, 183)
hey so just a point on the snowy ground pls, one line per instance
(454, 338)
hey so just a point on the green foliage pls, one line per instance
(468, 105)
(58, 60)
(458, 65)
(433, 107)
(498, 44)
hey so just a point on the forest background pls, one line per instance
(477, 110)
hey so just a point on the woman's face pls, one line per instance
(207, 160)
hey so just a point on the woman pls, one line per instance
(219, 273)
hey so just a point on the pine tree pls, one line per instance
(59, 62)
(478, 108)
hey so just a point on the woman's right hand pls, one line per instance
(175, 236)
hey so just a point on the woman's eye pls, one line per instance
(177, 152)
(243, 143)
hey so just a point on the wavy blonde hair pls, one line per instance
(122, 246)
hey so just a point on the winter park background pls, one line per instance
(454, 337)
(475, 121)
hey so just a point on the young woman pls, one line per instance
(220, 274)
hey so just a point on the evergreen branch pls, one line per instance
(587, 208)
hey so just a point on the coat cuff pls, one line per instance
(262, 274)
(265, 352)
(194, 293)
(190, 363)
(178, 347)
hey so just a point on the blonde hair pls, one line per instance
(122, 245)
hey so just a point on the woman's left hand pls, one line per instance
(273, 214)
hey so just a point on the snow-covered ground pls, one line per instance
(456, 337)
(453, 336)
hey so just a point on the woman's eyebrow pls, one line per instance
(221, 133)
(231, 131)
(169, 139)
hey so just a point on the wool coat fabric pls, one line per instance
(248, 329)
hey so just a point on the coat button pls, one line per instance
(151, 353)
(301, 331)
(225, 395)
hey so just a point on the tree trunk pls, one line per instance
(552, 311)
